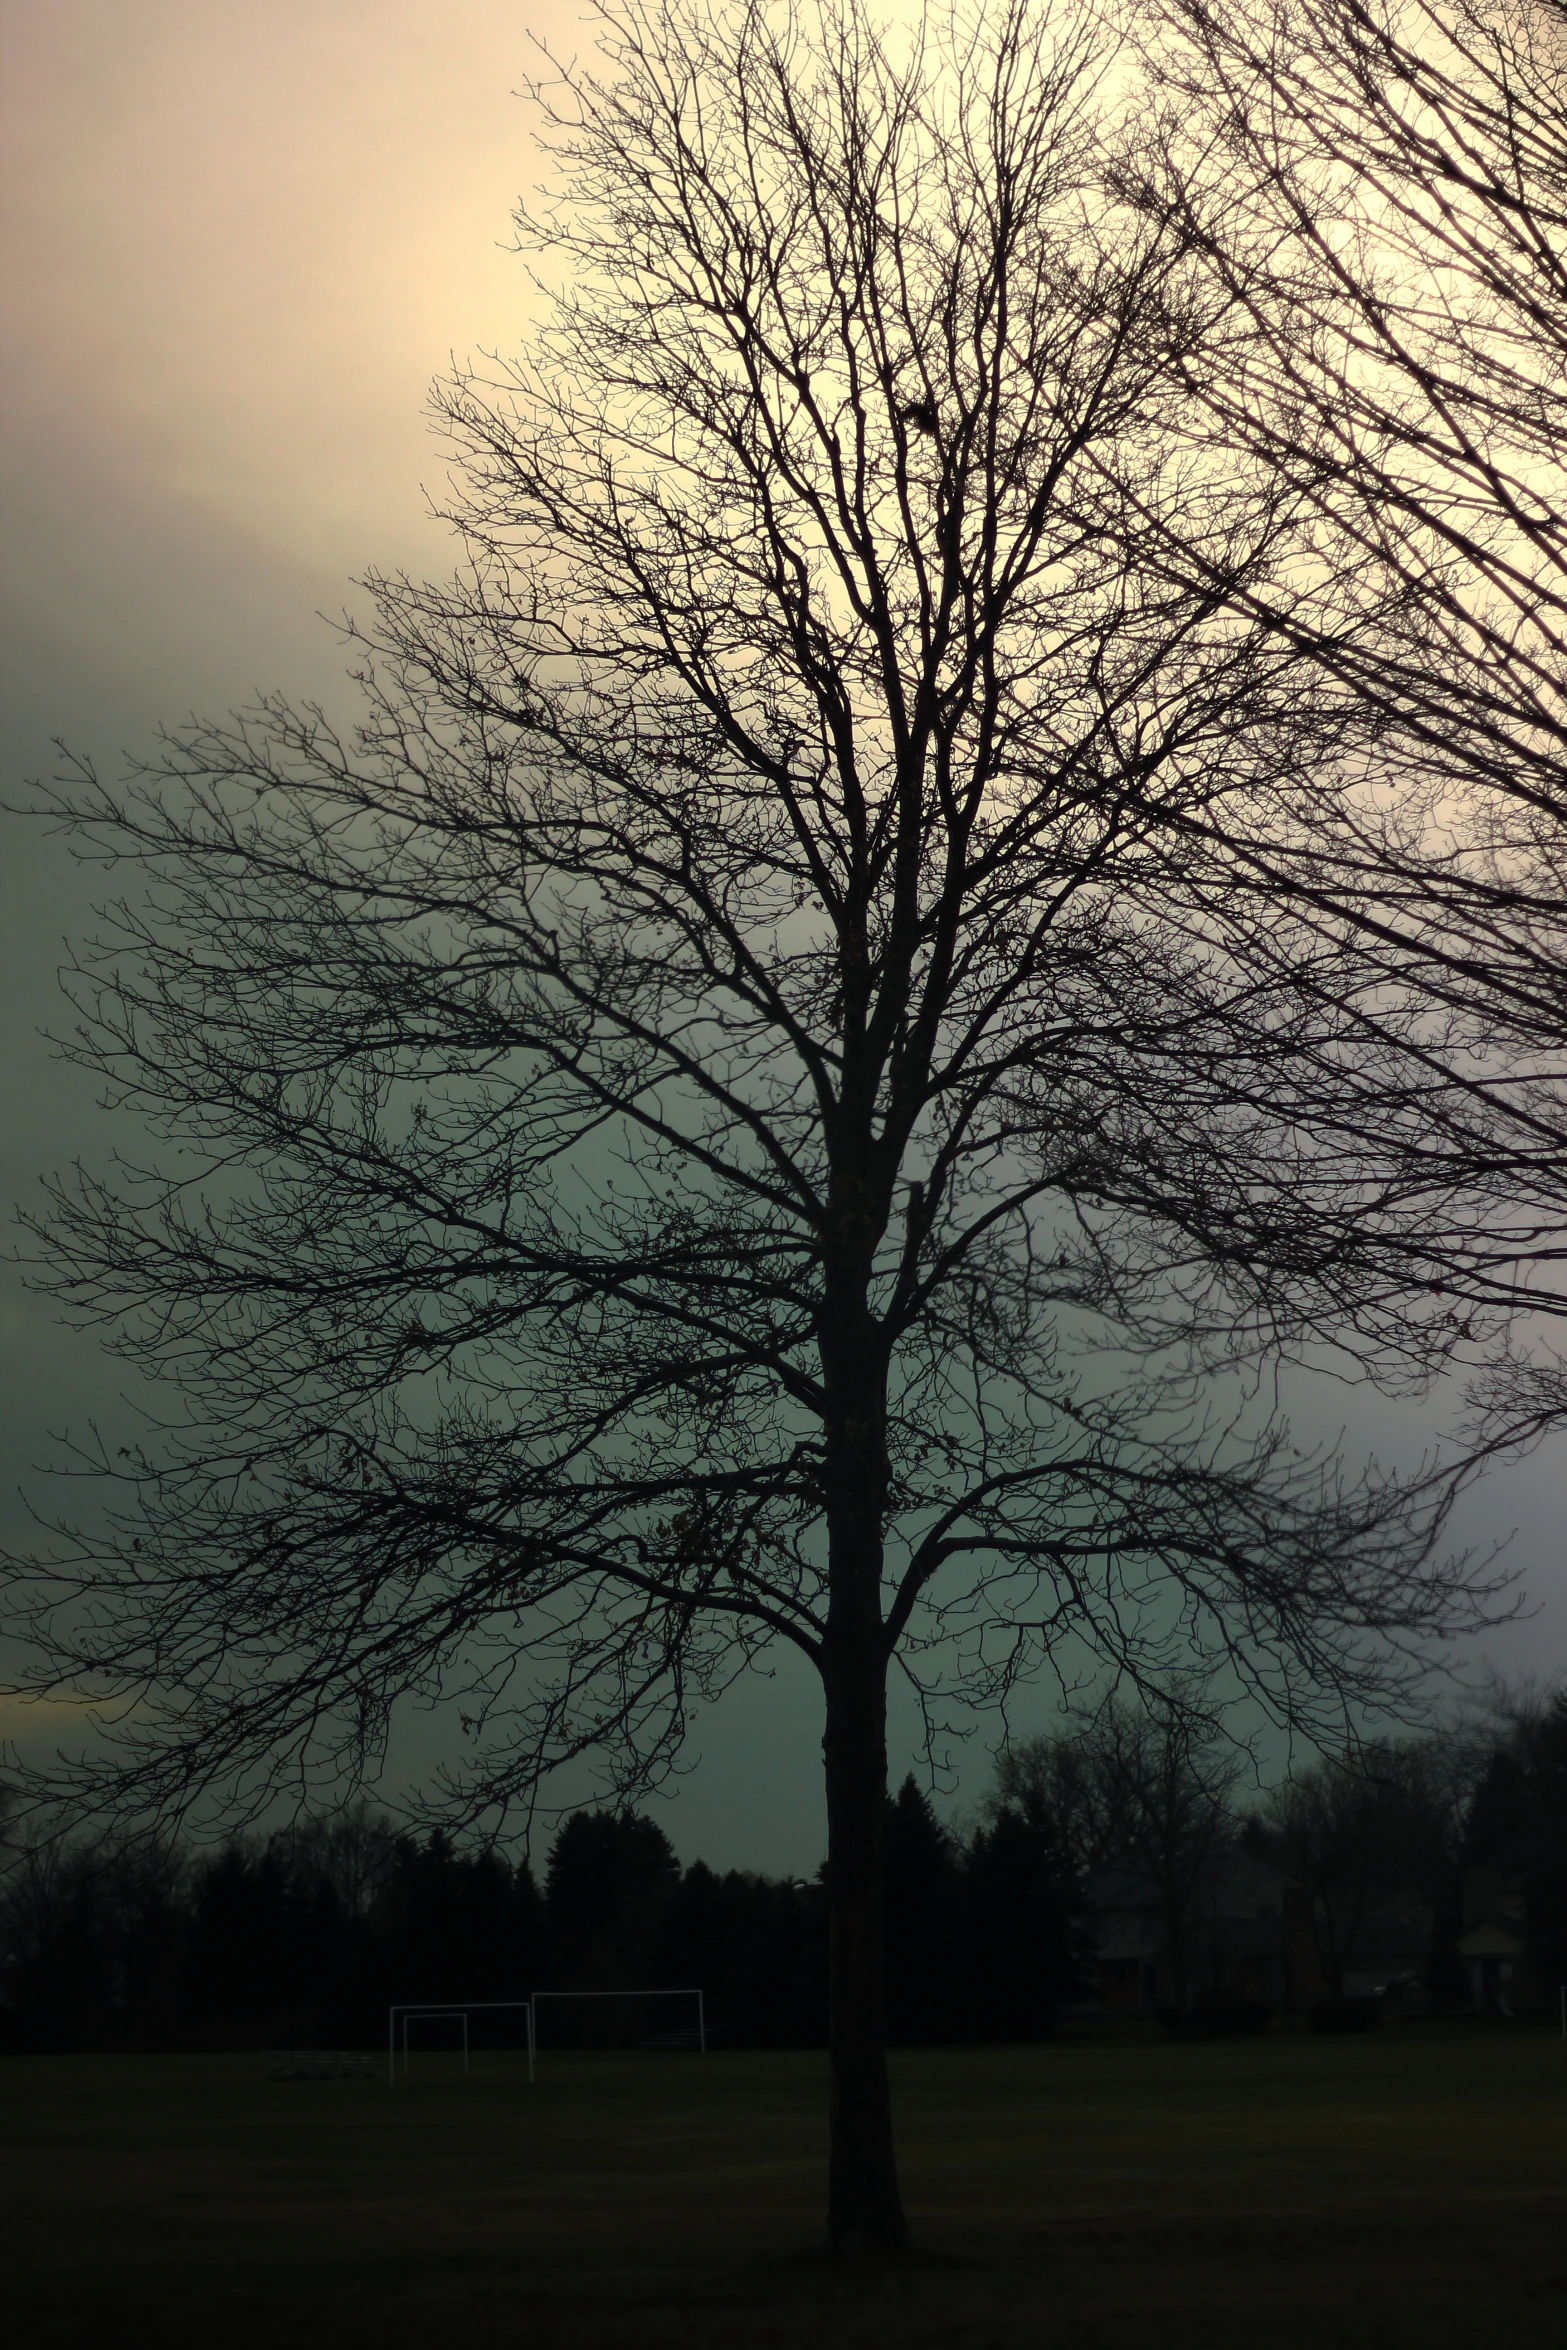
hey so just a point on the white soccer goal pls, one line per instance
(407, 2012)
(406, 2015)
(676, 2037)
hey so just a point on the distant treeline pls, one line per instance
(305, 1937)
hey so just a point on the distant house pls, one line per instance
(1250, 1933)
(1245, 1935)
(1122, 1930)
(1493, 1945)
(1390, 1949)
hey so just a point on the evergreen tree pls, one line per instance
(609, 1882)
(1017, 1966)
(920, 1906)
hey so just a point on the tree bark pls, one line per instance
(864, 2208)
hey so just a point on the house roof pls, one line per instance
(1124, 1937)
(1489, 1942)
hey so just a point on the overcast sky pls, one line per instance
(239, 242)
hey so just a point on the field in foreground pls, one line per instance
(1397, 2190)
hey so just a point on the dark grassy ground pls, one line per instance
(1402, 2189)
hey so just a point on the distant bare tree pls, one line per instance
(352, 1849)
(1055, 1780)
(90, 1935)
(1356, 1831)
(734, 1109)
(1148, 1784)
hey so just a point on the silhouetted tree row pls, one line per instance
(308, 1937)
(132, 1944)
(1433, 1865)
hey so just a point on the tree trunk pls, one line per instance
(864, 2209)
(1180, 1972)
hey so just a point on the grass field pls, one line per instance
(1402, 2189)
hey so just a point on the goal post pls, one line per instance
(409, 2011)
(405, 2014)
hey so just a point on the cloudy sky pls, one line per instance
(241, 236)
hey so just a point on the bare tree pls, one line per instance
(353, 1849)
(1056, 1781)
(731, 1110)
(1145, 1783)
(1390, 221)
(90, 1936)
(1178, 1774)
(1358, 1830)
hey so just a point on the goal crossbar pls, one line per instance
(411, 2009)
